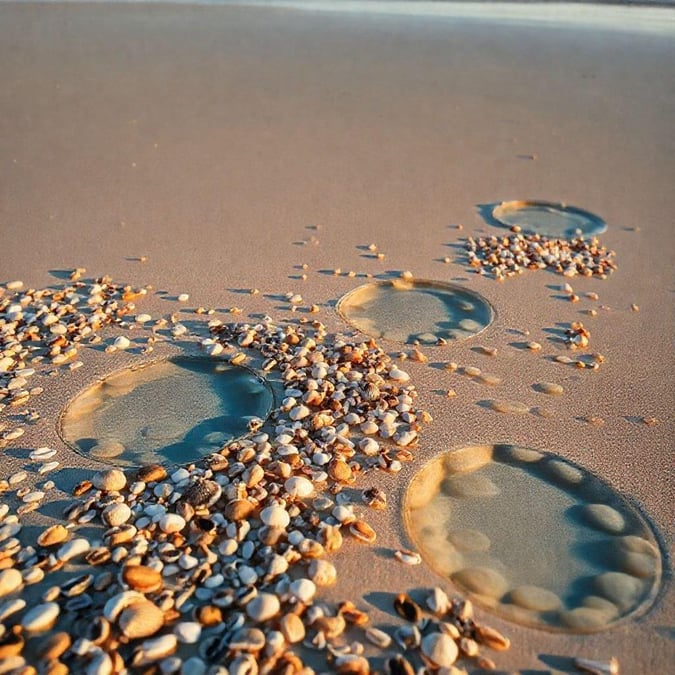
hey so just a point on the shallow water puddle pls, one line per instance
(173, 411)
(408, 311)
(535, 538)
(549, 219)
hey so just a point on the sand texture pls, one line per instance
(212, 150)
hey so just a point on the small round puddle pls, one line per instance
(173, 411)
(423, 311)
(549, 219)
(533, 537)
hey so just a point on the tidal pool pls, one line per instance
(549, 219)
(171, 412)
(534, 538)
(416, 310)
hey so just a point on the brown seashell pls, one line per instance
(140, 620)
(55, 668)
(362, 531)
(340, 471)
(209, 615)
(406, 608)
(56, 534)
(238, 509)
(151, 474)
(82, 487)
(491, 638)
(11, 644)
(202, 493)
(331, 626)
(142, 578)
(98, 556)
(53, 646)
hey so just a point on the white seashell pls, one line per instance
(155, 649)
(610, 667)
(140, 620)
(438, 602)
(17, 477)
(11, 607)
(263, 607)
(398, 375)
(46, 468)
(408, 557)
(116, 514)
(9, 530)
(275, 516)
(73, 549)
(110, 480)
(303, 590)
(40, 618)
(34, 575)
(114, 606)
(369, 446)
(34, 496)
(405, 438)
(322, 572)
(143, 318)
(122, 342)
(299, 413)
(100, 663)
(171, 522)
(188, 632)
(440, 649)
(299, 486)
(378, 637)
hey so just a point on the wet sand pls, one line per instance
(230, 145)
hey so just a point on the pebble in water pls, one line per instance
(604, 518)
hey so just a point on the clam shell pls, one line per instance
(439, 649)
(41, 617)
(141, 619)
(110, 480)
(202, 493)
(155, 649)
(263, 607)
(303, 590)
(116, 514)
(152, 473)
(73, 549)
(299, 486)
(114, 606)
(142, 578)
(10, 581)
(187, 632)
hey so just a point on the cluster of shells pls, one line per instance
(43, 329)
(510, 255)
(216, 568)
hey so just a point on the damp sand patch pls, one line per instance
(175, 411)
(534, 538)
(407, 311)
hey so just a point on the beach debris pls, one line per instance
(577, 336)
(510, 255)
(595, 667)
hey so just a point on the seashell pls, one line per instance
(491, 638)
(154, 650)
(98, 556)
(369, 446)
(438, 601)
(303, 590)
(17, 477)
(77, 585)
(171, 522)
(42, 454)
(322, 572)
(362, 531)
(114, 606)
(116, 514)
(351, 664)
(11, 644)
(188, 632)
(596, 667)
(121, 342)
(406, 608)
(47, 467)
(100, 663)
(33, 497)
(202, 493)
(209, 615)
(140, 620)
(248, 640)
(299, 486)
(121, 534)
(439, 650)
(72, 549)
(9, 530)
(340, 471)
(238, 509)
(40, 618)
(398, 375)
(141, 578)
(398, 665)
(331, 626)
(10, 581)
(110, 480)
(408, 636)
(292, 628)
(378, 637)
(275, 516)
(11, 607)
(408, 557)
(153, 473)
(14, 665)
(263, 607)
(82, 487)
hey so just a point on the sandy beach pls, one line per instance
(215, 149)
